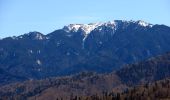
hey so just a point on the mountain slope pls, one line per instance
(98, 47)
(150, 70)
(159, 90)
(6, 78)
(80, 84)
(87, 84)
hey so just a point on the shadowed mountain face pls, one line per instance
(150, 70)
(87, 83)
(6, 78)
(98, 47)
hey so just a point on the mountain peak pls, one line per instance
(87, 28)
(143, 23)
(33, 35)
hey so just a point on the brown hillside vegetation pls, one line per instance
(153, 69)
(159, 90)
(87, 84)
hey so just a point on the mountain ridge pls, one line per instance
(88, 27)
(38, 56)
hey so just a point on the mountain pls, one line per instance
(89, 83)
(7, 78)
(153, 69)
(98, 47)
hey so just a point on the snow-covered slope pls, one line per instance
(114, 25)
(87, 28)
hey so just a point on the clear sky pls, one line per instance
(22, 16)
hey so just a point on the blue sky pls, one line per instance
(22, 16)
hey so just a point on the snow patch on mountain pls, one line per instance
(36, 35)
(87, 28)
(144, 24)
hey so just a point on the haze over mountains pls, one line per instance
(95, 47)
